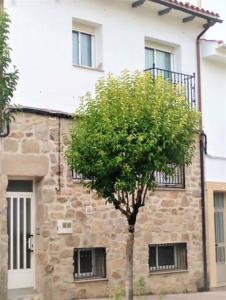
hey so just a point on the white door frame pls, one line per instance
(23, 278)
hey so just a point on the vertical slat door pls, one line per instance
(219, 221)
(19, 214)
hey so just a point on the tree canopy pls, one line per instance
(8, 79)
(134, 126)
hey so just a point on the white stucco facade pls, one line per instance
(41, 39)
(214, 109)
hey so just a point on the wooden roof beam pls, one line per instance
(164, 11)
(188, 19)
(137, 3)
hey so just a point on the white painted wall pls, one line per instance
(214, 110)
(42, 45)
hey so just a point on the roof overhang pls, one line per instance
(192, 11)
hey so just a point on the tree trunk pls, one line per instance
(129, 267)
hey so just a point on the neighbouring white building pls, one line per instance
(214, 126)
(59, 240)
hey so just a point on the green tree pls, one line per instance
(8, 79)
(133, 127)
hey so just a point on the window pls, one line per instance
(165, 257)
(82, 49)
(87, 44)
(176, 180)
(89, 263)
(161, 59)
(76, 175)
(79, 177)
(20, 186)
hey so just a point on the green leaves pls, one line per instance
(8, 79)
(133, 127)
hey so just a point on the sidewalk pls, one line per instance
(221, 295)
(218, 295)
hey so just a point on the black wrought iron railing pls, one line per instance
(187, 82)
(176, 180)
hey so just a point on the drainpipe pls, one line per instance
(201, 149)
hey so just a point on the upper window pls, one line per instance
(89, 263)
(82, 49)
(159, 58)
(158, 54)
(87, 44)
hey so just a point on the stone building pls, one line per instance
(31, 164)
(60, 241)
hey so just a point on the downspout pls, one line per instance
(58, 188)
(201, 149)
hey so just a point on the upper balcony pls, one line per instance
(187, 82)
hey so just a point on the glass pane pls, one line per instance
(149, 58)
(14, 233)
(21, 233)
(9, 230)
(28, 232)
(75, 46)
(163, 60)
(86, 265)
(76, 263)
(152, 256)
(86, 49)
(166, 256)
(99, 262)
(181, 256)
(218, 200)
(20, 186)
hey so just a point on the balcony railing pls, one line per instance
(186, 81)
(176, 180)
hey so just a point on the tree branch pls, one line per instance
(118, 206)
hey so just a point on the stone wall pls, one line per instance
(169, 216)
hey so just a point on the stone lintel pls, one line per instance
(25, 165)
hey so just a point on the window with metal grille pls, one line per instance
(176, 180)
(78, 176)
(165, 257)
(89, 263)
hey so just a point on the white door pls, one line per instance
(21, 239)
(220, 240)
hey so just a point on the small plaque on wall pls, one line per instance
(64, 226)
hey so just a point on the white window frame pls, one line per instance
(89, 30)
(149, 44)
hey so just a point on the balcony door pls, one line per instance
(220, 236)
(20, 200)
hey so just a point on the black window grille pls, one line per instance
(89, 263)
(176, 180)
(187, 82)
(165, 257)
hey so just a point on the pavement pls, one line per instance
(218, 295)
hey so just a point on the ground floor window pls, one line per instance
(89, 263)
(164, 257)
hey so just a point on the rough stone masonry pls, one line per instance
(170, 216)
